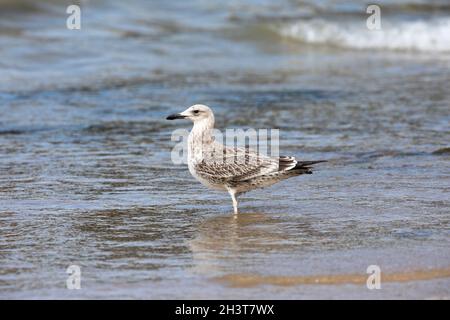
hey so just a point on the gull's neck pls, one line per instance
(200, 137)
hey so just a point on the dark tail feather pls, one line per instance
(305, 166)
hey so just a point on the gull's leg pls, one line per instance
(233, 197)
(235, 204)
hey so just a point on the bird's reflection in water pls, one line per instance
(255, 249)
(230, 242)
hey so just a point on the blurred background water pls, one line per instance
(85, 170)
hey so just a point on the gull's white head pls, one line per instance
(196, 113)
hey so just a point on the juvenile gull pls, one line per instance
(232, 169)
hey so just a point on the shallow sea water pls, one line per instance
(86, 176)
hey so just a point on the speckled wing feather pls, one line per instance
(234, 164)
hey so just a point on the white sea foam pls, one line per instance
(419, 35)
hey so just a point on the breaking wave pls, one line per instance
(419, 35)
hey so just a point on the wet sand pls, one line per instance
(248, 280)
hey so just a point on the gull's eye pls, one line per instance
(196, 111)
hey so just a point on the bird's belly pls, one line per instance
(207, 183)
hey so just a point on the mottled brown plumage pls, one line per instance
(236, 170)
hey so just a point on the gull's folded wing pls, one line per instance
(235, 164)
